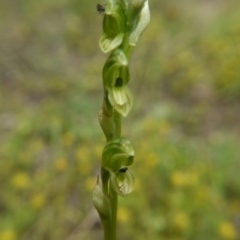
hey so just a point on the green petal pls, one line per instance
(121, 99)
(119, 161)
(108, 44)
(122, 183)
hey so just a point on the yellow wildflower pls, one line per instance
(21, 180)
(124, 214)
(227, 230)
(181, 220)
(178, 178)
(8, 234)
(181, 179)
(98, 151)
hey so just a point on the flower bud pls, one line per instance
(140, 23)
(134, 8)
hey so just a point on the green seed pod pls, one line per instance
(118, 153)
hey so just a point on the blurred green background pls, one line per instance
(185, 123)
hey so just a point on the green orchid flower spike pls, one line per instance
(123, 23)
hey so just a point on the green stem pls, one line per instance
(110, 225)
(114, 206)
(106, 222)
(113, 194)
(118, 122)
(125, 46)
(105, 177)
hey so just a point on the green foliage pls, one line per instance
(51, 148)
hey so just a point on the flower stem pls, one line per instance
(110, 225)
(113, 194)
(118, 121)
(114, 205)
(107, 222)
